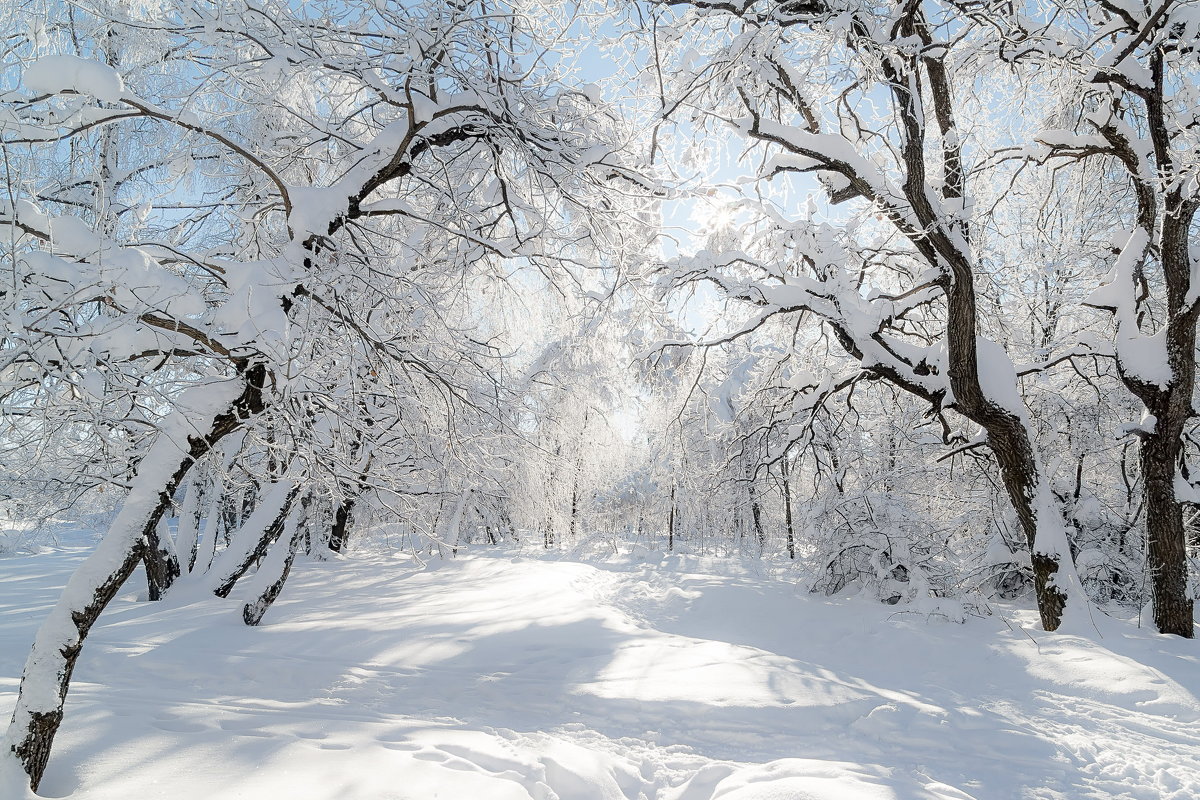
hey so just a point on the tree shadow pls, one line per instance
(404, 666)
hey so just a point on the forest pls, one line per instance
(888, 303)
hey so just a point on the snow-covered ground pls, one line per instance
(503, 677)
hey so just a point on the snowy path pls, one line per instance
(490, 678)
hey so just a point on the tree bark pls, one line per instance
(756, 512)
(1171, 405)
(279, 564)
(1010, 440)
(160, 560)
(188, 531)
(1165, 211)
(260, 530)
(671, 522)
(1166, 549)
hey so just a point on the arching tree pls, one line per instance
(336, 170)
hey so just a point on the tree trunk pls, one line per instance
(756, 513)
(785, 471)
(160, 560)
(213, 521)
(188, 531)
(1166, 550)
(260, 530)
(1020, 472)
(454, 526)
(671, 522)
(339, 531)
(47, 676)
(1172, 407)
(1009, 437)
(274, 572)
(574, 506)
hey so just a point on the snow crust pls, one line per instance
(632, 678)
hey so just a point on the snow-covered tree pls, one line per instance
(338, 175)
(869, 99)
(1129, 76)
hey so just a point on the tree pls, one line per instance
(898, 291)
(1130, 83)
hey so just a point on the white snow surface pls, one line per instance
(53, 74)
(495, 676)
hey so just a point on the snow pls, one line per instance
(998, 378)
(253, 315)
(1141, 356)
(1070, 139)
(1145, 426)
(499, 676)
(829, 149)
(133, 279)
(54, 74)
(314, 209)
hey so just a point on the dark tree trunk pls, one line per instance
(1014, 454)
(575, 472)
(269, 535)
(252, 612)
(1009, 439)
(1165, 214)
(161, 563)
(574, 506)
(785, 471)
(506, 524)
(339, 532)
(1166, 551)
(671, 522)
(760, 533)
(1171, 405)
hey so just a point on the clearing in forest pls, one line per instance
(679, 678)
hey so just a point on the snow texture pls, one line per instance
(54, 74)
(1142, 356)
(677, 678)
(998, 378)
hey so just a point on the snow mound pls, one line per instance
(54, 74)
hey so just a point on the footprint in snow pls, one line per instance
(404, 747)
(310, 734)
